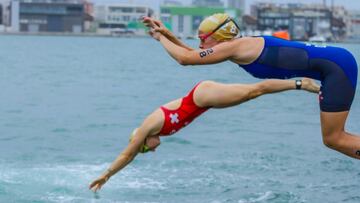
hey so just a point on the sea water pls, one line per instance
(68, 105)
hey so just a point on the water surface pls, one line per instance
(68, 104)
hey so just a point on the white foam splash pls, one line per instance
(261, 198)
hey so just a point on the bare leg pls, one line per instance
(219, 95)
(334, 135)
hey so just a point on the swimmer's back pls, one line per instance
(335, 67)
(285, 59)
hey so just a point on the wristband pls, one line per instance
(298, 84)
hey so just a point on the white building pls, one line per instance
(172, 3)
(355, 23)
(236, 4)
(121, 18)
(239, 5)
(14, 16)
(6, 12)
(208, 3)
(341, 22)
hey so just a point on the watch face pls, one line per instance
(298, 82)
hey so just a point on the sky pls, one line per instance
(349, 4)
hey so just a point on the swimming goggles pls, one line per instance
(203, 37)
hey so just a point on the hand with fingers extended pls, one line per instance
(98, 183)
(157, 29)
(156, 25)
(153, 26)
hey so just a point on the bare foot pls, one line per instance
(310, 85)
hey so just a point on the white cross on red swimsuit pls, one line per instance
(174, 118)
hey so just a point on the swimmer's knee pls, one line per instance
(207, 84)
(332, 140)
(203, 95)
(329, 142)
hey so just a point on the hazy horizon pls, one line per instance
(155, 4)
(349, 4)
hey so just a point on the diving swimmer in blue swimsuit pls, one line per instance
(270, 57)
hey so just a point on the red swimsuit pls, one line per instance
(181, 117)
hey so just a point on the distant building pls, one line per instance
(14, 10)
(2, 26)
(1, 14)
(172, 3)
(184, 21)
(355, 24)
(237, 4)
(47, 16)
(341, 23)
(121, 18)
(89, 25)
(249, 24)
(6, 13)
(208, 3)
(302, 21)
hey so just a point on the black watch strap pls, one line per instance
(298, 84)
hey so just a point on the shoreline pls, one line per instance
(87, 34)
(64, 34)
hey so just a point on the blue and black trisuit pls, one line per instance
(335, 67)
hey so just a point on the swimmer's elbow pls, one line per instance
(185, 59)
(180, 61)
(183, 62)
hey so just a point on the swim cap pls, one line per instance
(226, 32)
(144, 148)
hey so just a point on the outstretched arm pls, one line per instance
(122, 160)
(158, 26)
(150, 126)
(218, 53)
(186, 55)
